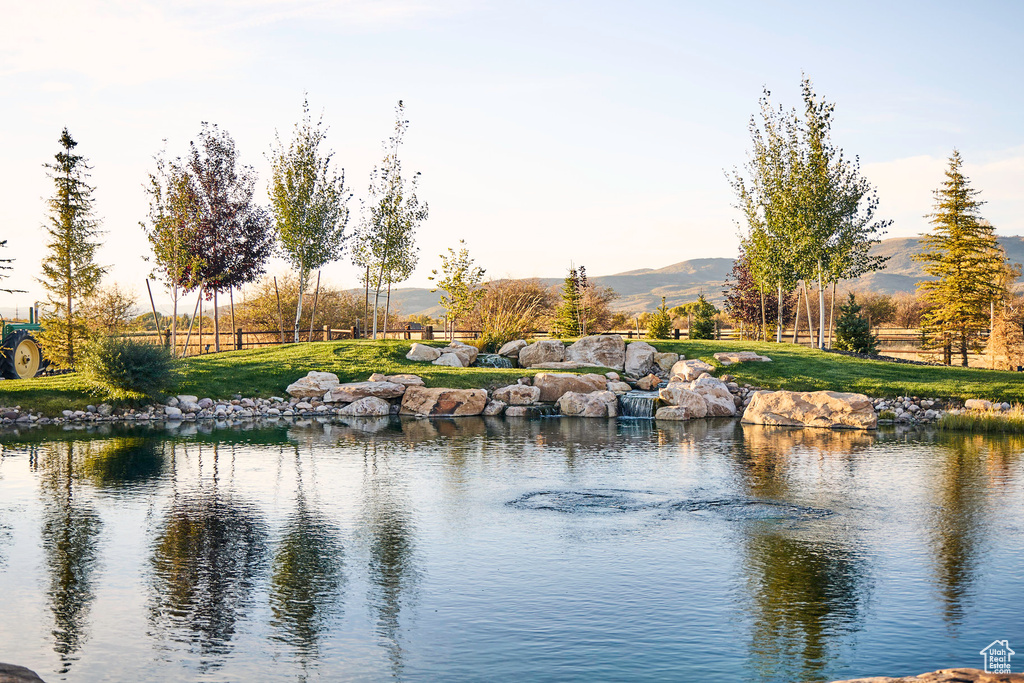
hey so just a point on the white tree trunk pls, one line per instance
(303, 277)
(821, 308)
(778, 319)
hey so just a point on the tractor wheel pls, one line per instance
(22, 357)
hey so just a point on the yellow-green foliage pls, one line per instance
(985, 421)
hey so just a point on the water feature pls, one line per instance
(641, 404)
(505, 549)
(493, 360)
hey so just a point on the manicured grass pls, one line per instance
(266, 372)
(263, 373)
(802, 369)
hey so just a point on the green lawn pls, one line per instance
(266, 372)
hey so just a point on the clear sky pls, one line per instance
(546, 132)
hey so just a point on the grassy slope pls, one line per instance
(266, 372)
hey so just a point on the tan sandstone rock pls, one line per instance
(511, 349)
(977, 404)
(716, 395)
(665, 361)
(639, 358)
(558, 365)
(593, 404)
(353, 391)
(619, 387)
(370, 406)
(944, 676)
(421, 352)
(517, 394)
(601, 350)
(466, 353)
(313, 385)
(407, 380)
(829, 409)
(542, 351)
(690, 403)
(730, 357)
(440, 401)
(690, 370)
(450, 360)
(552, 384)
(648, 383)
(494, 408)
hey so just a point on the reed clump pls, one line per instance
(985, 421)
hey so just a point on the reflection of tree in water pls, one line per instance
(805, 594)
(960, 491)
(205, 560)
(306, 576)
(388, 525)
(124, 462)
(69, 538)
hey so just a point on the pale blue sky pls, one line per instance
(546, 132)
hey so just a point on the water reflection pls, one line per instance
(70, 535)
(387, 522)
(123, 463)
(306, 576)
(806, 595)
(206, 555)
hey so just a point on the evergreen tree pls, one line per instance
(703, 326)
(309, 203)
(566, 322)
(70, 271)
(660, 324)
(963, 255)
(853, 331)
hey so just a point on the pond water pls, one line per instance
(492, 549)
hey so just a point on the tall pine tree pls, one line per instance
(963, 255)
(70, 271)
(566, 322)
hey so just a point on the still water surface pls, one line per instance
(486, 549)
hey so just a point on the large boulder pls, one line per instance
(716, 395)
(451, 360)
(601, 350)
(977, 404)
(313, 385)
(353, 391)
(369, 406)
(619, 387)
(730, 357)
(683, 412)
(639, 358)
(829, 409)
(665, 361)
(511, 349)
(466, 353)
(407, 380)
(542, 351)
(440, 401)
(12, 673)
(517, 395)
(421, 352)
(689, 370)
(944, 676)
(593, 404)
(678, 395)
(553, 384)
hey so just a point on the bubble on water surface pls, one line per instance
(588, 501)
(741, 509)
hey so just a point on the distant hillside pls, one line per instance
(679, 283)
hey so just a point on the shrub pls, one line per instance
(853, 332)
(509, 310)
(703, 326)
(125, 366)
(660, 324)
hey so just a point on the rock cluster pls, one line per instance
(828, 409)
(944, 676)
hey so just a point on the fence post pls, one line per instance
(629, 334)
(238, 339)
(327, 333)
(429, 334)
(355, 332)
(167, 338)
(675, 333)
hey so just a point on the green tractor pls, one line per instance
(20, 355)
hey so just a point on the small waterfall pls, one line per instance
(640, 404)
(492, 360)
